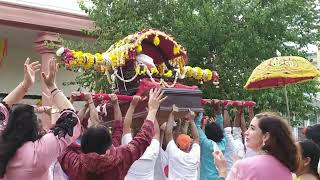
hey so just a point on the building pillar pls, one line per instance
(46, 53)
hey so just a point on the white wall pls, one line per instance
(11, 71)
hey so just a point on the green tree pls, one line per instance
(230, 36)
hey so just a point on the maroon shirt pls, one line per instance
(113, 165)
(117, 130)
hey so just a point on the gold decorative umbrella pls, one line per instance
(280, 72)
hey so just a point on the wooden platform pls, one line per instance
(184, 99)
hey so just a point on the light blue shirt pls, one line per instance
(208, 171)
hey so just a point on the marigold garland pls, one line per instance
(87, 61)
(168, 74)
(128, 49)
(197, 73)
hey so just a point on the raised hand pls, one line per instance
(87, 96)
(155, 99)
(30, 70)
(163, 126)
(113, 99)
(135, 100)
(190, 116)
(175, 108)
(50, 79)
(220, 163)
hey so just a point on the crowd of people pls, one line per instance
(80, 145)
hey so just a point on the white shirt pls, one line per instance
(182, 165)
(143, 168)
(160, 166)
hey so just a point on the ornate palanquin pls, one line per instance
(142, 61)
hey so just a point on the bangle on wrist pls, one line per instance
(90, 102)
(57, 92)
(24, 87)
(55, 89)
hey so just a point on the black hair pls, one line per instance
(313, 133)
(96, 139)
(22, 127)
(214, 132)
(311, 150)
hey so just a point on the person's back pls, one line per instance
(32, 159)
(207, 170)
(25, 152)
(143, 168)
(23, 164)
(183, 165)
(259, 167)
(97, 159)
(113, 164)
(183, 155)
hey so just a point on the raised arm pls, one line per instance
(156, 131)
(185, 126)
(170, 123)
(82, 112)
(118, 122)
(194, 131)
(202, 136)
(18, 93)
(243, 121)
(129, 115)
(143, 138)
(162, 131)
(58, 98)
(67, 128)
(93, 113)
(29, 78)
(226, 118)
(155, 99)
(218, 112)
(116, 107)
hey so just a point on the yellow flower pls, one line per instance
(189, 71)
(143, 71)
(154, 70)
(156, 41)
(209, 75)
(99, 58)
(114, 60)
(168, 74)
(90, 58)
(139, 48)
(161, 68)
(176, 50)
(73, 62)
(180, 63)
(199, 73)
(137, 70)
(79, 57)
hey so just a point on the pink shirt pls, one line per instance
(259, 167)
(32, 159)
